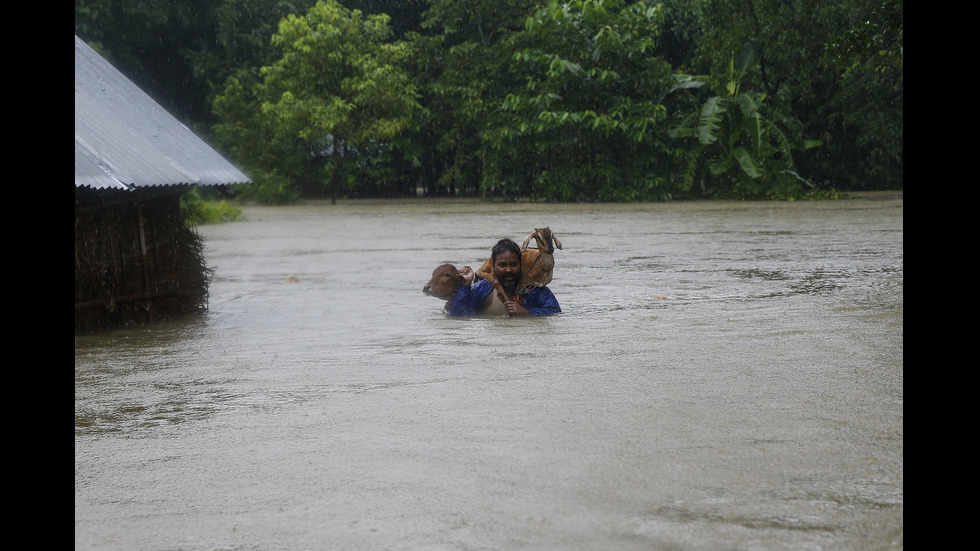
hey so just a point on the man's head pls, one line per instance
(506, 258)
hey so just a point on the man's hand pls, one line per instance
(515, 308)
(467, 274)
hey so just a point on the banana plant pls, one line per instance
(744, 148)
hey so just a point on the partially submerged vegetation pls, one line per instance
(197, 210)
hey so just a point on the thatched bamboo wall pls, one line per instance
(135, 259)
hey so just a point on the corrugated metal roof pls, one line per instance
(124, 139)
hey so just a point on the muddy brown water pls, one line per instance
(725, 376)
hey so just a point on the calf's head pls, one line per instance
(445, 280)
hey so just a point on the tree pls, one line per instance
(242, 40)
(817, 63)
(524, 98)
(744, 148)
(331, 108)
(866, 112)
(588, 124)
(463, 67)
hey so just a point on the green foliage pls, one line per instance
(331, 106)
(268, 188)
(564, 101)
(588, 124)
(835, 67)
(865, 114)
(462, 62)
(680, 31)
(241, 40)
(197, 210)
(745, 147)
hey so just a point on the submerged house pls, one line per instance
(135, 259)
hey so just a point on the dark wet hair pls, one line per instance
(504, 245)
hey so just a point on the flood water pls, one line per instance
(724, 376)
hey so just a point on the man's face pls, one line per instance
(507, 268)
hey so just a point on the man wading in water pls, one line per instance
(481, 298)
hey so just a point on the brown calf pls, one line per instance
(446, 279)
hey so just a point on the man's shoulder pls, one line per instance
(539, 289)
(481, 284)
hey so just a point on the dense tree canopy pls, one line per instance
(588, 121)
(581, 100)
(331, 108)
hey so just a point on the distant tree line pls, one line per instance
(580, 100)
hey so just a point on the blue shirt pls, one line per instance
(539, 301)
